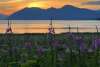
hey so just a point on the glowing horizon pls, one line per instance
(36, 26)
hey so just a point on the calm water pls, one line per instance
(41, 26)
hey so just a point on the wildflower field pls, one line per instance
(50, 50)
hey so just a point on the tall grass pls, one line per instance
(49, 50)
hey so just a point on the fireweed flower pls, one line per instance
(28, 45)
(40, 51)
(71, 35)
(51, 33)
(51, 30)
(79, 41)
(65, 46)
(55, 43)
(96, 43)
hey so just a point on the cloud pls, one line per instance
(6, 7)
(6, 0)
(96, 2)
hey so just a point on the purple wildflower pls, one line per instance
(65, 46)
(40, 51)
(51, 30)
(79, 41)
(96, 43)
(71, 35)
(28, 45)
(55, 43)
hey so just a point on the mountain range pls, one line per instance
(3, 17)
(68, 12)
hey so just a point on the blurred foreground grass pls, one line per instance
(35, 50)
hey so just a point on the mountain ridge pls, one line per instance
(3, 17)
(68, 12)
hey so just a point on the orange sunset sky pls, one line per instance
(9, 7)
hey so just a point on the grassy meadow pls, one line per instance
(47, 50)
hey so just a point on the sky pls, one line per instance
(8, 7)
